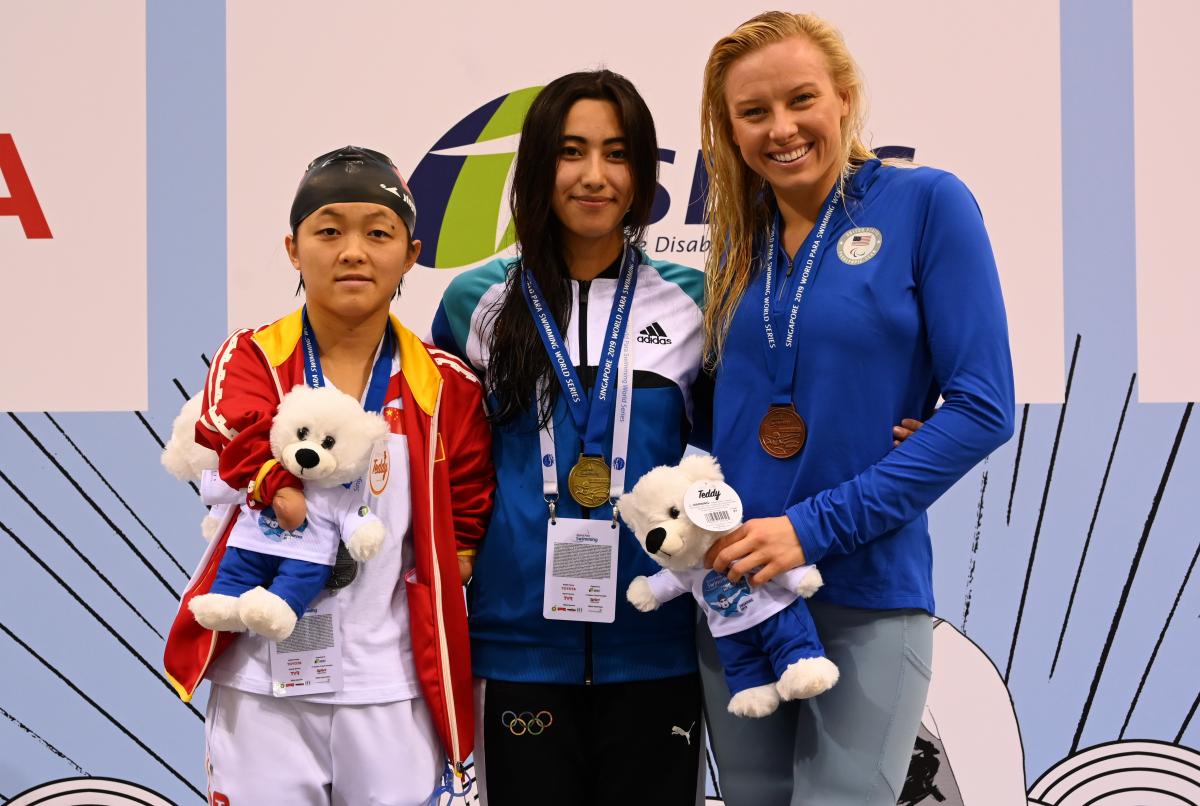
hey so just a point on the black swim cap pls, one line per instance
(353, 174)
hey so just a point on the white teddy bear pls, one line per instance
(268, 576)
(765, 636)
(188, 460)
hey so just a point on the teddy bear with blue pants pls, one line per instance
(268, 575)
(765, 636)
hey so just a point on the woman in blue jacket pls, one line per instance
(842, 293)
(589, 352)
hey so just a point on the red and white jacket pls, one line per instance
(452, 482)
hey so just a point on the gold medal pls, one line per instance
(782, 432)
(588, 482)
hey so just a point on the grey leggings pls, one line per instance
(848, 746)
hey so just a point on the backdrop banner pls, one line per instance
(172, 135)
(73, 205)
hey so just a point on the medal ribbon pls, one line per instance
(620, 446)
(381, 372)
(590, 416)
(785, 366)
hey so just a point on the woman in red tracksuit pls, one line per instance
(404, 702)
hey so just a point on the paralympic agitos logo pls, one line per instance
(461, 188)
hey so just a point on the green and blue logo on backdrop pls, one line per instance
(461, 185)
(461, 188)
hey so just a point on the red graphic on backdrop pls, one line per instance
(22, 201)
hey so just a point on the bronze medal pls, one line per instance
(782, 432)
(588, 482)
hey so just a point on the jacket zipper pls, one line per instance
(584, 287)
(439, 616)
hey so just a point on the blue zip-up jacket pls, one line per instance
(878, 341)
(510, 640)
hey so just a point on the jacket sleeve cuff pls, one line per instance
(813, 541)
(272, 477)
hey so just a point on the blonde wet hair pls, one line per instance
(737, 210)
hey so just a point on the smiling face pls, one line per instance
(593, 185)
(352, 256)
(786, 118)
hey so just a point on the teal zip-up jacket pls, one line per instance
(510, 640)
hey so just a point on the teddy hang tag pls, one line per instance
(713, 505)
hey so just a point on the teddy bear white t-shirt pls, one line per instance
(332, 512)
(730, 607)
(377, 657)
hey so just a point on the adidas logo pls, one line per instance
(654, 334)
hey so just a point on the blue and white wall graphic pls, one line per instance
(148, 155)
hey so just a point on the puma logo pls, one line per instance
(686, 734)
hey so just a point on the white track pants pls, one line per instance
(263, 751)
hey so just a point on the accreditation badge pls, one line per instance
(309, 661)
(581, 570)
(858, 245)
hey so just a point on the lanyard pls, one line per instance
(620, 446)
(590, 416)
(785, 366)
(381, 373)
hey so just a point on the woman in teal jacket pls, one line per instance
(579, 705)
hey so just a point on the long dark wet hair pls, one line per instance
(517, 358)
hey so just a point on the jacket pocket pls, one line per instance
(422, 616)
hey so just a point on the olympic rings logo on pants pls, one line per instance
(526, 722)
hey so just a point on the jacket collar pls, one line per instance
(418, 367)
(278, 341)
